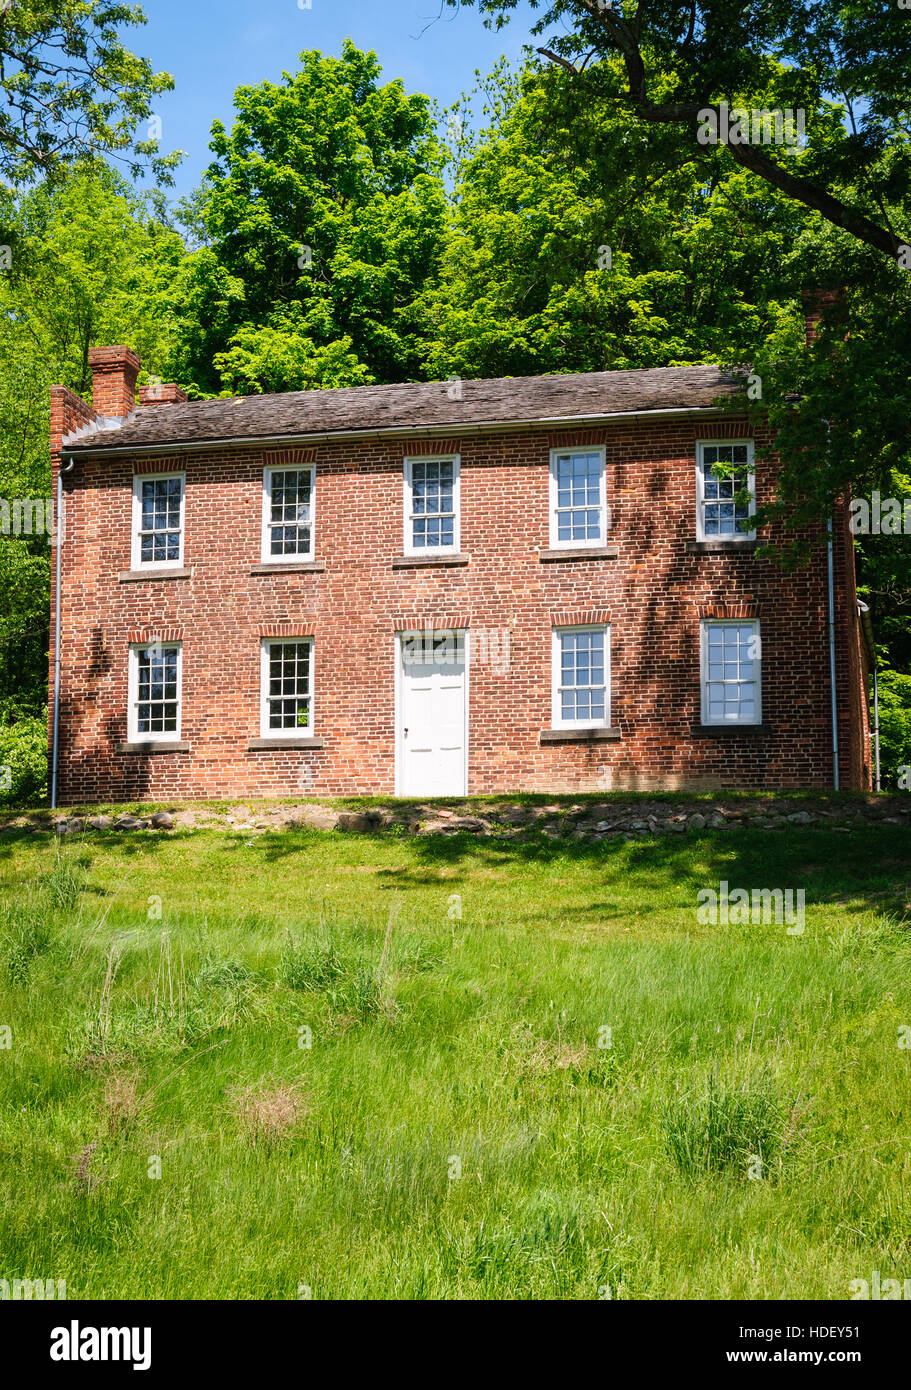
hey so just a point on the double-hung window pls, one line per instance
(287, 688)
(578, 504)
(725, 491)
(155, 678)
(731, 667)
(158, 520)
(431, 505)
(581, 677)
(288, 498)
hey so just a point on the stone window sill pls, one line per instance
(179, 746)
(409, 562)
(592, 552)
(289, 567)
(131, 576)
(611, 735)
(261, 745)
(720, 547)
(728, 730)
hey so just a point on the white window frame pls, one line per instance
(409, 548)
(704, 627)
(589, 544)
(155, 736)
(136, 560)
(265, 537)
(299, 731)
(557, 720)
(701, 445)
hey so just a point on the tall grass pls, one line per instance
(434, 1069)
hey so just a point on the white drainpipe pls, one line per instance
(58, 539)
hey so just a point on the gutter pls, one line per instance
(55, 744)
(394, 431)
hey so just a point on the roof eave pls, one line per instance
(389, 431)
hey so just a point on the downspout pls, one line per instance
(834, 701)
(57, 571)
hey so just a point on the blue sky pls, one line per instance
(210, 47)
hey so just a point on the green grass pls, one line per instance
(454, 1129)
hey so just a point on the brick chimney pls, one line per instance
(114, 373)
(819, 304)
(161, 393)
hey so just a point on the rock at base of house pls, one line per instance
(162, 820)
(100, 823)
(358, 820)
(128, 823)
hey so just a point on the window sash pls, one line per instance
(717, 513)
(581, 693)
(158, 520)
(578, 501)
(286, 687)
(427, 513)
(731, 677)
(155, 692)
(283, 526)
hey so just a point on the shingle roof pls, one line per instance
(416, 407)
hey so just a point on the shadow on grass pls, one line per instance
(871, 866)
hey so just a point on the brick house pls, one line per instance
(522, 584)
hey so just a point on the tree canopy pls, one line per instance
(70, 89)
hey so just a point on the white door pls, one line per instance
(433, 708)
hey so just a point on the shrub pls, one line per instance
(23, 762)
(894, 727)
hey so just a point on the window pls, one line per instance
(287, 688)
(581, 677)
(431, 505)
(578, 509)
(287, 514)
(720, 508)
(158, 516)
(731, 659)
(154, 692)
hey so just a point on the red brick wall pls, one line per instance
(653, 594)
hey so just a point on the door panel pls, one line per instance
(432, 714)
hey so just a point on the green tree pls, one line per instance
(679, 59)
(70, 90)
(325, 206)
(579, 245)
(63, 293)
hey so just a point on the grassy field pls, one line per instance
(308, 1064)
